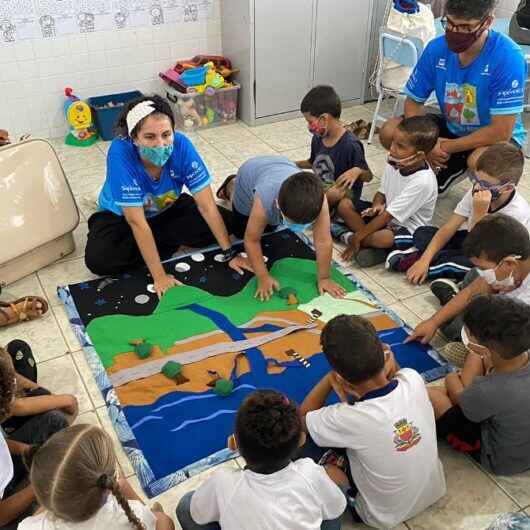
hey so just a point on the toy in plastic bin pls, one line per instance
(189, 113)
(79, 117)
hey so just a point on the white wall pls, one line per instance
(33, 74)
(506, 8)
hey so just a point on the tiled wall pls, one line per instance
(33, 74)
(505, 8)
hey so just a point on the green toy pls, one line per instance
(143, 350)
(172, 369)
(223, 387)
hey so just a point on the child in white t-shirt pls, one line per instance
(438, 253)
(75, 479)
(405, 201)
(389, 431)
(272, 491)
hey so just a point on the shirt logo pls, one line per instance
(194, 164)
(441, 63)
(515, 83)
(406, 435)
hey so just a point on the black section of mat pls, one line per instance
(119, 294)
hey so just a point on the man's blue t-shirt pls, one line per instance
(493, 84)
(129, 184)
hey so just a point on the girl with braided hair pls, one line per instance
(272, 491)
(75, 479)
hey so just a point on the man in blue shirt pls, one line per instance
(478, 76)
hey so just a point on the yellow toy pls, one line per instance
(213, 81)
(79, 117)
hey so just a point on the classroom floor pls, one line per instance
(474, 497)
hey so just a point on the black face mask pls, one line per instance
(460, 42)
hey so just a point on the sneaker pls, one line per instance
(455, 353)
(402, 260)
(369, 257)
(445, 290)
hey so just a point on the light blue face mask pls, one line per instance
(296, 227)
(156, 155)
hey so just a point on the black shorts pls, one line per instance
(463, 434)
(457, 163)
(240, 222)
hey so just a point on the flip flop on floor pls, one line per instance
(21, 310)
(221, 191)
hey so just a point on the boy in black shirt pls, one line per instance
(337, 155)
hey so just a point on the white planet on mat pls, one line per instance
(198, 257)
(151, 288)
(219, 258)
(142, 299)
(182, 267)
(245, 255)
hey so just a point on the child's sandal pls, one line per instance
(22, 310)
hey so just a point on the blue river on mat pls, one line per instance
(184, 427)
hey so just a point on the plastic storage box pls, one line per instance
(107, 109)
(200, 111)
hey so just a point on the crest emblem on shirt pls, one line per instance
(406, 435)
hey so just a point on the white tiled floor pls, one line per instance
(474, 497)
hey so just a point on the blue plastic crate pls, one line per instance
(106, 117)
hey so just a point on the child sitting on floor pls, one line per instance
(269, 191)
(17, 499)
(385, 423)
(485, 409)
(33, 404)
(499, 246)
(75, 478)
(337, 156)
(405, 201)
(272, 491)
(439, 253)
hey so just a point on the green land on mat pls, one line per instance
(111, 334)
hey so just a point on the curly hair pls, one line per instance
(268, 430)
(71, 472)
(7, 384)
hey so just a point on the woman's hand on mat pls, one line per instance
(424, 332)
(164, 283)
(266, 287)
(240, 264)
(417, 274)
(327, 285)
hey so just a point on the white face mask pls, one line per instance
(466, 341)
(491, 278)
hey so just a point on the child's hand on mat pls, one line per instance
(326, 285)
(423, 333)
(417, 274)
(266, 287)
(164, 283)
(240, 264)
(374, 211)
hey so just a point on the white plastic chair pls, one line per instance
(398, 55)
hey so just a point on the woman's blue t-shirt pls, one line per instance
(128, 183)
(493, 84)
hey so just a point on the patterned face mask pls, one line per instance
(156, 155)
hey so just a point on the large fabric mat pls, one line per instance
(175, 425)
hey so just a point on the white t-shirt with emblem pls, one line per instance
(517, 207)
(410, 199)
(390, 439)
(298, 497)
(6, 465)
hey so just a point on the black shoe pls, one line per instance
(445, 290)
(23, 359)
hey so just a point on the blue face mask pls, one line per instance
(156, 155)
(296, 227)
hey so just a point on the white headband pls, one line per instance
(138, 113)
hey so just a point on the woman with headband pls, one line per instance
(144, 215)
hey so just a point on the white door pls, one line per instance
(342, 43)
(283, 32)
